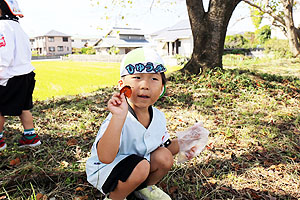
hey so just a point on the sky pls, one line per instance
(87, 18)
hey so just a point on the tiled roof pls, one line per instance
(109, 42)
(184, 24)
(53, 33)
(128, 31)
(180, 30)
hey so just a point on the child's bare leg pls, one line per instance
(2, 120)
(26, 119)
(137, 177)
(160, 163)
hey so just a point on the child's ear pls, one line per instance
(120, 83)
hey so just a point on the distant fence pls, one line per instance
(111, 58)
(45, 57)
(94, 58)
(253, 52)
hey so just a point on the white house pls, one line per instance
(125, 39)
(177, 39)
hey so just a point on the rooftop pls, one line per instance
(54, 33)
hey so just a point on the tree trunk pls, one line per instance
(287, 22)
(209, 31)
(290, 27)
(298, 33)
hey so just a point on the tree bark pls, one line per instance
(290, 27)
(286, 22)
(209, 31)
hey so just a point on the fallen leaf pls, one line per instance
(209, 146)
(15, 162)
(173, 189)
(236, 166)
(81, 198)
(268, 163)
(79, 189)
(207, 172)
(250, 157)
(12, 163)
(39, 196)
(225, 188)
(72, 142)
(254, 195)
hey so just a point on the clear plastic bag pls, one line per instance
(192, 142)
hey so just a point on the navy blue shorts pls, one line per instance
(17, 95)
(121, 172)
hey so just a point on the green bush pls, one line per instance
(278, 47)
(88, 50)
(34, 53)
(114, 50)
(235, 41)
(263, 34)
(76, 50)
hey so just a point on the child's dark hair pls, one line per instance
(6, 13)
(164, 78)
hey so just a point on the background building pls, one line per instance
(123, 39)
(177, 39)
(52, 43)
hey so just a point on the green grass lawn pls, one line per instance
(282, 66)
(62, 78)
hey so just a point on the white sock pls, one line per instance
(29, 131)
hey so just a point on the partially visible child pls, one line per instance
(132, 151)
(16, 73)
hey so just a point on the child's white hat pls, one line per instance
(141, 60)
(14, 7)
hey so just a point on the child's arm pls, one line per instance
(108, 145)
(174, 147)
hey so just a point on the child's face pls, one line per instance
(146, 88)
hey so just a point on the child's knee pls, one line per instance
(164, 158)
(168, 161)
(141, 171)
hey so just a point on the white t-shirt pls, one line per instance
(15, 52)
(135, 139)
